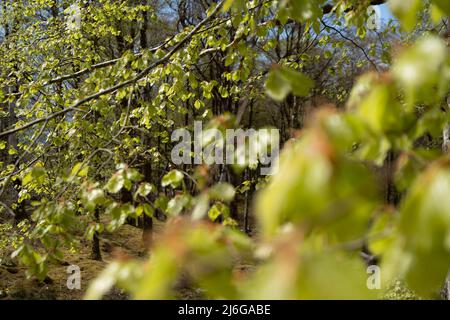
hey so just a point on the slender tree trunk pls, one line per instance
(9, 121)
(392, 195)
(144, 28)
(248, 196)
(96, 253)
(446, 139)
(446, 148)
(147, 222)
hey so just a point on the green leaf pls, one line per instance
(198, 104)
(176, 205)
(133, 175)
(305, 10)
(222, 191)
(217, 210)
(161, 203)
(235, 4)
(96, 196)
(282, 81)
(300, 84)
(173, 178)
(139, 210)
(277, 86)
(444, 5)
(145, 208)
(407, 12)
(36, 174)
(116, 273)
(148, 210)
(115, 183)
(313, 188)
(423, 234)
(144, 189)
(423, 71)
(223, 92)
(92, 198)
(201, 206)
(80, 170)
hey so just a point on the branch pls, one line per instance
(100, 65)
(353, 42)
(7, 208)
(328, 8)
(30, 146)
(113, 61)
(138, 77)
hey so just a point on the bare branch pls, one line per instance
(353, 42)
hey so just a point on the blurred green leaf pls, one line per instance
(173, 178)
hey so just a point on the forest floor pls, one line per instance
(14, 283)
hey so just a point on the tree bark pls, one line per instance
(445, 293)
(147, 222)
(96, 253)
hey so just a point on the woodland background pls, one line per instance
(90, 92)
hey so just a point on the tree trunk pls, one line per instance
(248, 196)
(147, 222)
(445, 148)
(96, 253)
